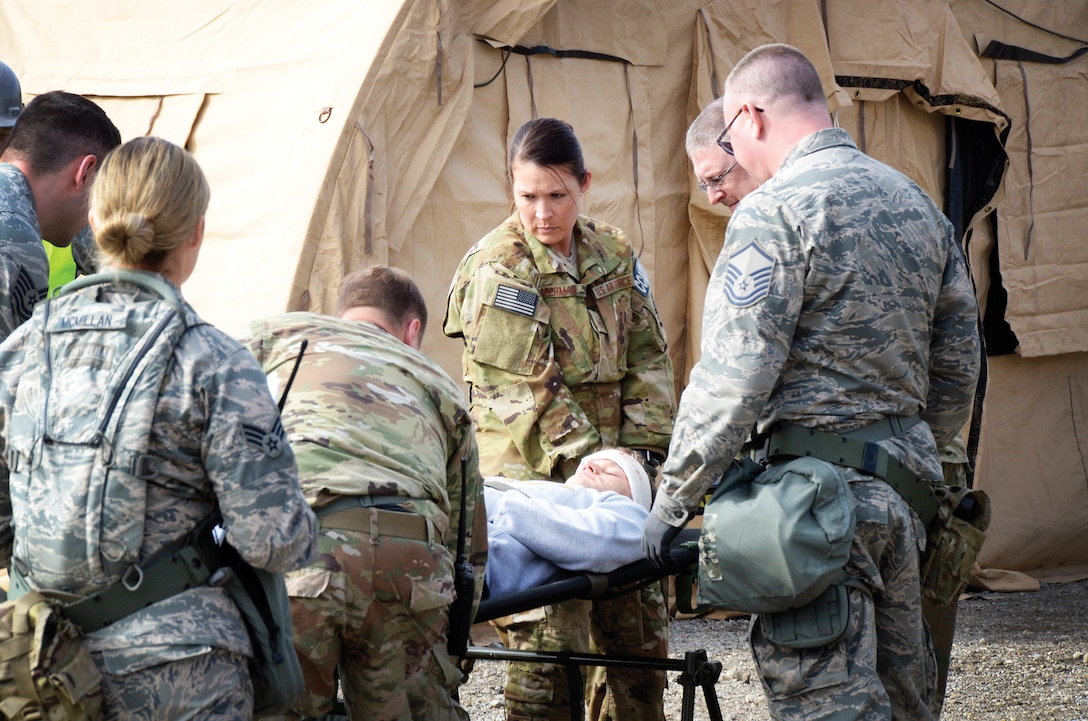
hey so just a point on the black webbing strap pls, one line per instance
(998, 50)
(347, 502)
(861, 453)
(555, 52)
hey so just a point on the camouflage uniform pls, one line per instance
(85, 252)
(24, 268)
(561, 359)
(840, 298)
(217, 436)
(370, 416)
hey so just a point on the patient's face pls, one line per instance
(601, 475)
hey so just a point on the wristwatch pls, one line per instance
(653, 459)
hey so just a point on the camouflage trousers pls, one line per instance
(209, 685)
(376, 608)
(635, 624)
(883, 666)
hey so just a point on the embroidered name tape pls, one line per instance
(563, 291)
(516, 300)
(748, 276)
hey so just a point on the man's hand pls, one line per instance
(657, 539)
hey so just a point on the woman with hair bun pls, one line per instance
(215, 446)
(565, 354)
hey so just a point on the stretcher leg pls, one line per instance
(696, 671)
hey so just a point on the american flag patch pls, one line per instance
(516, 300)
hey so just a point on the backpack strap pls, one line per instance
(125, 275)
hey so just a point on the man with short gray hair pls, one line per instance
(721, 177)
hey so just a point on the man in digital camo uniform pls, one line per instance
(51, 160)
(726, 182)
(840, 301)
(385, 450)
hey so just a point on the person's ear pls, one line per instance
(585, 183)
(198, 234)
(412, 333)
(757, 120)
(85, 171)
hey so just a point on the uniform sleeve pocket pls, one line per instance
(508, 336)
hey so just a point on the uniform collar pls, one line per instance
(814, 143)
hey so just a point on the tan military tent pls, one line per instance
(339, 134)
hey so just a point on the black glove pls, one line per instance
(657, 539)
(651, 459)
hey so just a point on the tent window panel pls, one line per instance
(176, 121)
(170, 117)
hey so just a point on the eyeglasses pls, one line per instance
(727, 145)
(716, 181)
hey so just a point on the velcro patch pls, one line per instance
(642, 281)
(270, 441)
(748, 276)
(516, 300)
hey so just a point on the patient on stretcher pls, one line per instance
(541, 531)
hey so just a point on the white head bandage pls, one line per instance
(637, 479)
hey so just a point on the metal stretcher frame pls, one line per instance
(695, 669)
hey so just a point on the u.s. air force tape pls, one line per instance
(516, 300)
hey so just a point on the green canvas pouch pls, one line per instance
(778, 542)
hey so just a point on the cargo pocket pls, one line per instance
(787, 672)
(816, 624)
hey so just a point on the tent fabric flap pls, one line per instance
(340, 135)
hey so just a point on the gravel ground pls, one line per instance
(1017, 657)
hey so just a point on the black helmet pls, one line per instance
(11, 97)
